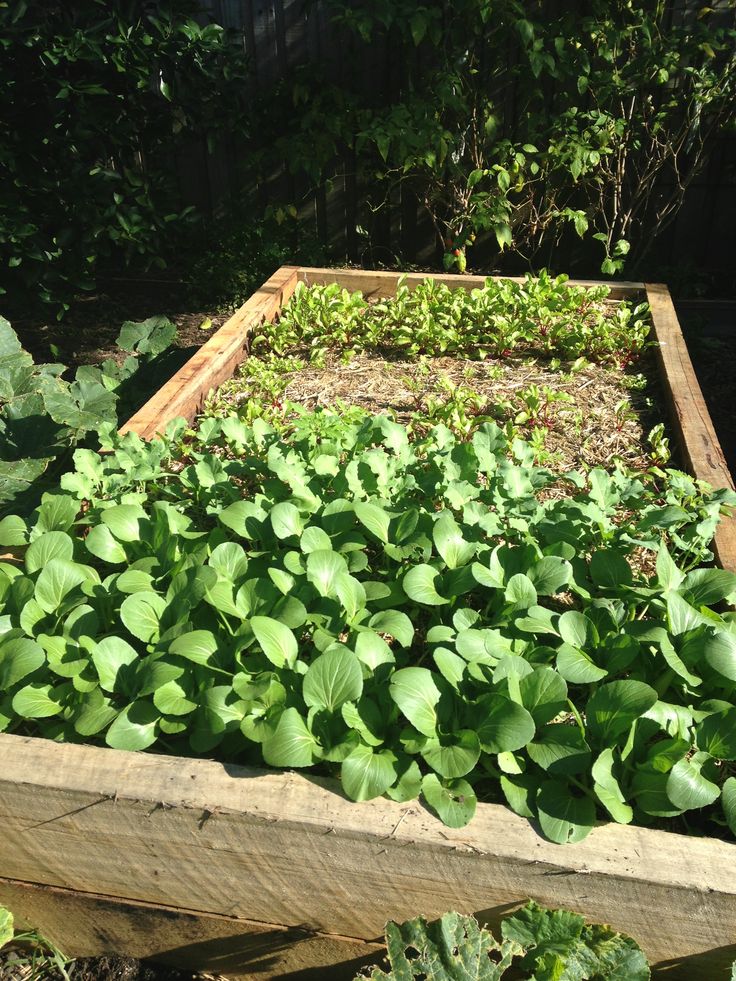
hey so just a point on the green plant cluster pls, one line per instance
(542, 314)
(537, 944)
(418, 617)
(43, 415)
(101, 96)
(27, 954)
(236, 254)
(513, 126)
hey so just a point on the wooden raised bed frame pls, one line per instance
(258, 874)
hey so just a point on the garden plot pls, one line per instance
(590, 417)
(334, 350)
(426, 612)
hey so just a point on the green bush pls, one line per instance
(43, 416)
(512, 121)
(99, 96)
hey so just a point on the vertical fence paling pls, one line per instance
(281, 34)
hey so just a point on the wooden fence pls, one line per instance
(279, 35)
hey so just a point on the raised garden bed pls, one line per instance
(199, 862)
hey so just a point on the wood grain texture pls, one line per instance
(280, 848)
(697, 436)
(215, 362)
(379, 283)
(87, 925)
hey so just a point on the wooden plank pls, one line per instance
(87, 925)
(379, 283)
(215, 362)
(280, 848)
(699, 442)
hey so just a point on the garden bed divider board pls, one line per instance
(216, 361)
(201, 863)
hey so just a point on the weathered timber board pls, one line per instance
(280, 848)
(87, 925)
(698, 440)
(379, 283)
(215, 362)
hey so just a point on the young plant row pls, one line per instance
(419, 618)
(543, 315)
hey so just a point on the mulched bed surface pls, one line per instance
(98, 969)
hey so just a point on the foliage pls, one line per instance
(42, 415)
(545, 945)
(28, 954)
(419, 617)
(511, 121)
(99, 97)
(543, 314)
(237, 254)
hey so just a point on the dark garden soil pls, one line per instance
(87, 333)
(710, 331)
(93, 969)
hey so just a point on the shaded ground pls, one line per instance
(87, 333)
(710, 332)
(91, 969)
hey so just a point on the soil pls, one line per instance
(88, 331)
(603, 418)
(710, 331)
(93, 969)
